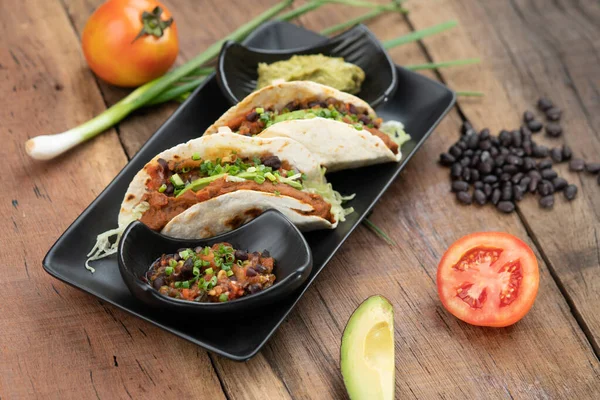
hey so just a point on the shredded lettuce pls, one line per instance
(395, 130)
(103, 247)
(325, 189)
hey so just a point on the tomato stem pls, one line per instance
(153, 24)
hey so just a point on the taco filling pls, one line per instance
(260, 118)
(173, 187)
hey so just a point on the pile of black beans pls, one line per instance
(502, 169)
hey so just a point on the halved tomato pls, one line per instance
(488, 279)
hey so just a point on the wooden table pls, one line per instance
(57, 342)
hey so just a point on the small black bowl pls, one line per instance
(237, 72)
(140, 247)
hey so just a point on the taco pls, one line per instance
(339, 129)
(218, 182)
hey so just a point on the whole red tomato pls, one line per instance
(130, 42)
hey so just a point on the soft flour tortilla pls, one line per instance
(209, 217)
(336, 145)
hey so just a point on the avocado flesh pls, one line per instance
(367, 352)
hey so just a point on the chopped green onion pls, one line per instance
(172, 263)
(178, 285)
(277, 193)
(200, 183)
(358, 127)
(259, 179)
(224, 297)
(213, 280)
(196, 271)
(177, 181)
(185, 254)
(185, 170)
(162, 188)
(185, 284)
(418, 35)
(270, 177)
(229, 272)
(259, 110)
(197, 263)
(209, 271)
(206, 250)
(291, 173)
(168, 271)
(196, 156)
(205, 263)
(251, 169)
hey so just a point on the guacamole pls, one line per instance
(330, 71)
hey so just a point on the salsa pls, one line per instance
(212, 274)
(260, 118)
(330, 71)
(176, 186)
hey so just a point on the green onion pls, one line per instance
(361, 18)
(277, 193)
(418, 35)
(168, 271)
(184, 254)
(49, 146)
(213, 281)
(379, 232)
(199, 183)
(470, 94)
(259, 179)
(178, 285)
(162, 188)
(358, 127)
(205, 263)
(291, 173)
(172, 263)
(229, 272)
(196, 271)
(195, 156)
(185, 284)
(224, 297)
(259, 110)
(206, 250)
(433, 65)
(209, 271)
(270, 177)
(177, 181)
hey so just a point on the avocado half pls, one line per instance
(367, 352)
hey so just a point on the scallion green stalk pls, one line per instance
(470, 94)
(434, 65)
(46, 147)
(361, 18)
(303, 9)
(420, 34)
(174, 92)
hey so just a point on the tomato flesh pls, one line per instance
(488, 279)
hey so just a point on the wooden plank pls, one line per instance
(56, 342)
(534, 48)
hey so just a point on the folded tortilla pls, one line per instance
(229, 201)
(350, 139)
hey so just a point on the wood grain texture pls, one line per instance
(56, 342)
(534, 48)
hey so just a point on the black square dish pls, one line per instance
(419, 103)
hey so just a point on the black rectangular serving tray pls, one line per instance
(419, 103)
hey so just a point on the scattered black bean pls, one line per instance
(511, 169)
(549, 174)
(525, 181)
(528, 163)
(518, 193)
(506, 206)
(496, 194)
(567, 153)
(455, 151)
(547, 201)
(475, 175)
(556, 154)
(187, 270)
(543, 164)
(485, 145)
(459, 186)
(553, 114)
(535, 174)
(545, 188)
(456, 170)
(592, 168)
(517, 152)
(533, 184)
(170, 188)
(265, 253)
(466, 126)
(514, 160)
(464, 197)
(500, 160)
(505, 138)
(570, 192)
(507, 192)
(484, 134)
(487, 189)
(252, 116)
(528, 116)
(465, 161)
(254, 288)
(462, 145)
(472, 141)
(478, 185)
(540, 151)
(494, 151)
(517, 138)
(261, 269)
(559, 183)
(577, 165)
(535, 126)
(466, 175)
(553, 129)
(528, 148)
(526, 132)
(517, 177)
(545, 103)
(468, 153)
(251, 272)
(490, 179)
(505, 177)
(480, 197)
(158, 282)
